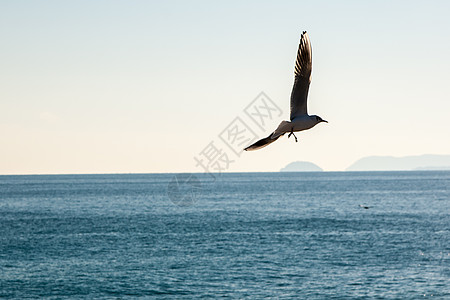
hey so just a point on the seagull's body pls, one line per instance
(299, 120)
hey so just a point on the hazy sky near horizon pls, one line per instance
(145, 86)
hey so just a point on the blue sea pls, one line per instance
(238, 235)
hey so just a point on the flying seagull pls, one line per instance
(300, 120)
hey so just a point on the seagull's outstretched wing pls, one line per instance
(281, 130)
(303, 67)
(262, 142)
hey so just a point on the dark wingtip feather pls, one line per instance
(262, 143)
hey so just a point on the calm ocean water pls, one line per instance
(279, 235)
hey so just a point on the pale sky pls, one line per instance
(145, 86)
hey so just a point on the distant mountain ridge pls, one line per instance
(406, 163)
(301, 166)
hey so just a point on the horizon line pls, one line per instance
(217, 173)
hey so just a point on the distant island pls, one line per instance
(301, 166)
(406, 163)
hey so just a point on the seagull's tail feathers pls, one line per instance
(263, 142)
